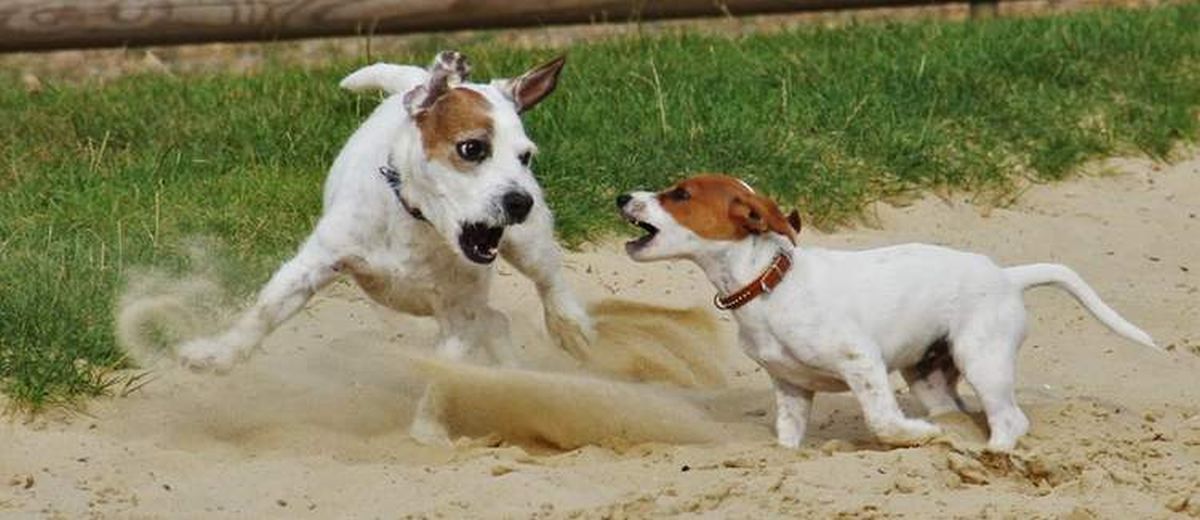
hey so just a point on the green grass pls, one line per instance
(98, 180)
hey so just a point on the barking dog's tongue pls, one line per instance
(479, 242)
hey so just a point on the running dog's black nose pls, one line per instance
(517, 205)
(623, 199)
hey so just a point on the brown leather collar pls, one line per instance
(763, 284)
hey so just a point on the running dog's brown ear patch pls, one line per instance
(530, 88)
(460, 115)
(447, 114)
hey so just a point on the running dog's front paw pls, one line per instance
(908, 432)
(207, 355)
(571, 328)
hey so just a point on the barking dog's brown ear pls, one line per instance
(449, 68)
(758, 214)
(793, 219)
(532, 87)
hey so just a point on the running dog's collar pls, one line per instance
(766, 281)
(393, 179)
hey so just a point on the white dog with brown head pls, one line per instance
(430, 189)
(823, 320)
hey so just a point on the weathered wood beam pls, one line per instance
(57, 24)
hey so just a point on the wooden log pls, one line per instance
(57, 24)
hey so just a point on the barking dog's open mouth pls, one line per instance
(479, 242)
(640, 242)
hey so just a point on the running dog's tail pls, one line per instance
(1032, 275)
(392, 79)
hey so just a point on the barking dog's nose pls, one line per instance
(517, 205)
(623, 199)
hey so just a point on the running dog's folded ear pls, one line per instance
(531, 87)
(758, 214)
(793, 219)
(449, 69)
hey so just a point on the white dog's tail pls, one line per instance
(1031, 275)
(392, 79)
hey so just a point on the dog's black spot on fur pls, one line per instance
(936, 358)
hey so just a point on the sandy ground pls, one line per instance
(316, 426)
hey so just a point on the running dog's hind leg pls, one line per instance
(287, 292)
(530, 247)
(467, 327)
(934, 380)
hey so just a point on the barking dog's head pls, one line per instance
(468, 164)
(700, 214)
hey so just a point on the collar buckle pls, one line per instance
(764, 284)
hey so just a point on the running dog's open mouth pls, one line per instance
(480, 242)
(640, 242)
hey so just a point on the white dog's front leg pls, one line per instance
(867, 378)
(792, 407)
(287, 292)
(530, 247)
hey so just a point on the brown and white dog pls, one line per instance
(420, 201)
(824, 320)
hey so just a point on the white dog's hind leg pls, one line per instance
(991, 373)
(429, 422)
(936, 390)
(497, 337)
(530, 247)
(792, 406)
(986, 351)
(466, 328)
(287, 292)
(868, 380)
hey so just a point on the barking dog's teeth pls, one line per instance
(642, 241)
(480, 242)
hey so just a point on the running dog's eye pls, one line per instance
(472, 150)
(679, 194)
(525, 157)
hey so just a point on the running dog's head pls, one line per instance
(700, 214)
(467, 168)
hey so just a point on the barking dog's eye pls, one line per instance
(679, 194)
(473, 150)
(525, 157)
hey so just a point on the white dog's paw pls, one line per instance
(909, 432)
(568, 323)
(572, 332)
(207, 355)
